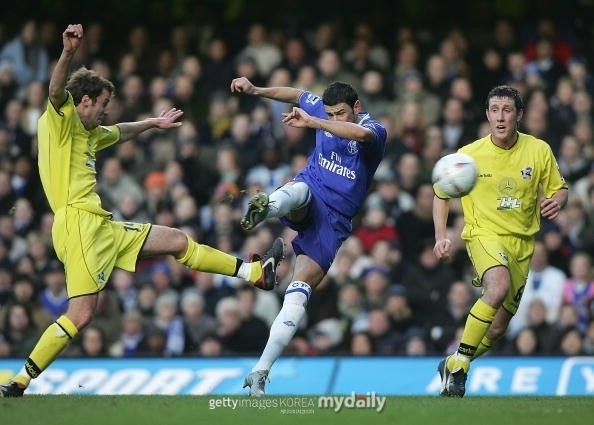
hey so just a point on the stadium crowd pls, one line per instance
(386, 293)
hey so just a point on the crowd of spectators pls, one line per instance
(386, 294)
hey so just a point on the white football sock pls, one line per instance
(288, 198)
(285, 325)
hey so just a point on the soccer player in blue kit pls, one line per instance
(320, 202)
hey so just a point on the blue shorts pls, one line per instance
(320, 234)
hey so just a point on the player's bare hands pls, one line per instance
(549, 208)
(242, 85)
(169, 119)
(72, 37)
(296, 118)
(442, 249)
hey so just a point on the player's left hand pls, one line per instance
(549, 208)
(168, 119)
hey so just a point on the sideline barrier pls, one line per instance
(309, 376)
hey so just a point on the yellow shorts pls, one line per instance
(509, 251)
(91, 245)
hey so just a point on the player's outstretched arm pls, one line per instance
(165, 120)
(71, 40)
(282, 94)
(344, 129)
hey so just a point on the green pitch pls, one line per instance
(185, 410)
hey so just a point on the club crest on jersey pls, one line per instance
(527, 173)
(352, 147)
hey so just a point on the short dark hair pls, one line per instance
(506, 91)
(86, 81)
(339, 92)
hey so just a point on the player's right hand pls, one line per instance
(442, 249)
(72, 37)
(241, 85)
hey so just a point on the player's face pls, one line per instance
(503, 118)
(94, 113)
(340, 112)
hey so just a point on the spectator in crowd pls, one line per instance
(375, 226)
(211, 346)
(350, 304)
(114, 183)
(428, 282)
(108, 315)
(239, 336)
(217, 66)
(389, 196)
(537, 321)
(578, 289)
(399, 310)
(361, 344)
(416, 345)
(571, 343)
(374, 281)
(168, 319)
(386, 340)
(571, 159)
(326, 336)
(437, 81)
(19, 330)
(90, 343)
(525, 343)
(132, 335)
(24, 291)
(409, 172)
(197, 323)
(28, 58)
(53, 297)
(417, 224)
(259, 47)
(445, 322)
(154, 344)
(34, 104)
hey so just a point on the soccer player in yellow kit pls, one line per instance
(86, 239)
(519, 181)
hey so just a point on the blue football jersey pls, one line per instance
(340, 171)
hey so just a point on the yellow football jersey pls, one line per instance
(67, 158)
(510, 185)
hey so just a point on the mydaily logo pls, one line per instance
(354, 401)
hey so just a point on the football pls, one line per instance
(455, 174)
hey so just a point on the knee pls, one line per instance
(179, 240)
(80, 318)
(495, 292)
(176, 242)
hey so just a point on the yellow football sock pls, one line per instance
(477, 324)
(207, 259)
(55, 338)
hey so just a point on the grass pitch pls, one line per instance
(184, 410)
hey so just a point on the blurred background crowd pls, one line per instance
(422, 68)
